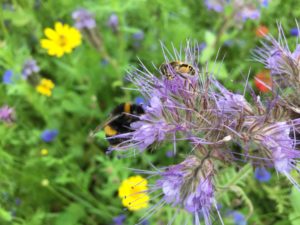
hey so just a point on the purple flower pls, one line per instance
(138, 36)
(83, 19)
(264, 3)
(183, 187)
(113, 22)
(294, 31)
(239, 218)
(170, 153)
(216, 5)
(7, 114)
(30, 67)
(118, 220)
(139, 100)
(262, 175)
(7, 77)
(49, 135)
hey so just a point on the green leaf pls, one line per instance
(4, 215)
(71, 216)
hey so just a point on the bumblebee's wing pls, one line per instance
(104, 123)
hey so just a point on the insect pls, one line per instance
(121, 118)
(176, 67)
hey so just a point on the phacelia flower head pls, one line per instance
(133, 192)
(7, 114)
(30, 67)
(242, 9)
(284, 66)
(83, 19)
(113, 22)
(49, 135)
(60, 40)
(216, 5)
(7, 77)
(189, 186)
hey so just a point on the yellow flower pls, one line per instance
(62, 39)
(133, 193)
(45, 87)
(44, 152)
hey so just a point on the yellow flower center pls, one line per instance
(62, 41)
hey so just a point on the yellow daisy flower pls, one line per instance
(45, 87)
(62, 39)
(133, 193)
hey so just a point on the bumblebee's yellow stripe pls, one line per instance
(127, 107)
(109, 131)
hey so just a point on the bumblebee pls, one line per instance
(121, 118)
(176, 67)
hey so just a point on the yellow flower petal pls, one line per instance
(51, 34)
(133, 192)
(58, 27)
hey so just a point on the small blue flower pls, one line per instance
(239, 218)
(145, 222)
(139, 100)
(18, 201)
(7, 77)
(170, 154)
(265, 3)
(118, 220)
(294, 31)
(49, 135)
(262, 175)
(138, 35)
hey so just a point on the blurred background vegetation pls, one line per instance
(71, 180)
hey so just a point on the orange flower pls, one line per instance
(261, 31)
(263, 81)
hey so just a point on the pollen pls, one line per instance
(109, 131)
(133, 193)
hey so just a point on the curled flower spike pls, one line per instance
(284, 66)
(188, 185)
(242, 9)
(60, 40)
(83, 19)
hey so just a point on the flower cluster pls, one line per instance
(243, 9)
(189, 105)
(284, 66)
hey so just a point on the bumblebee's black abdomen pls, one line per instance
(123, 115)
